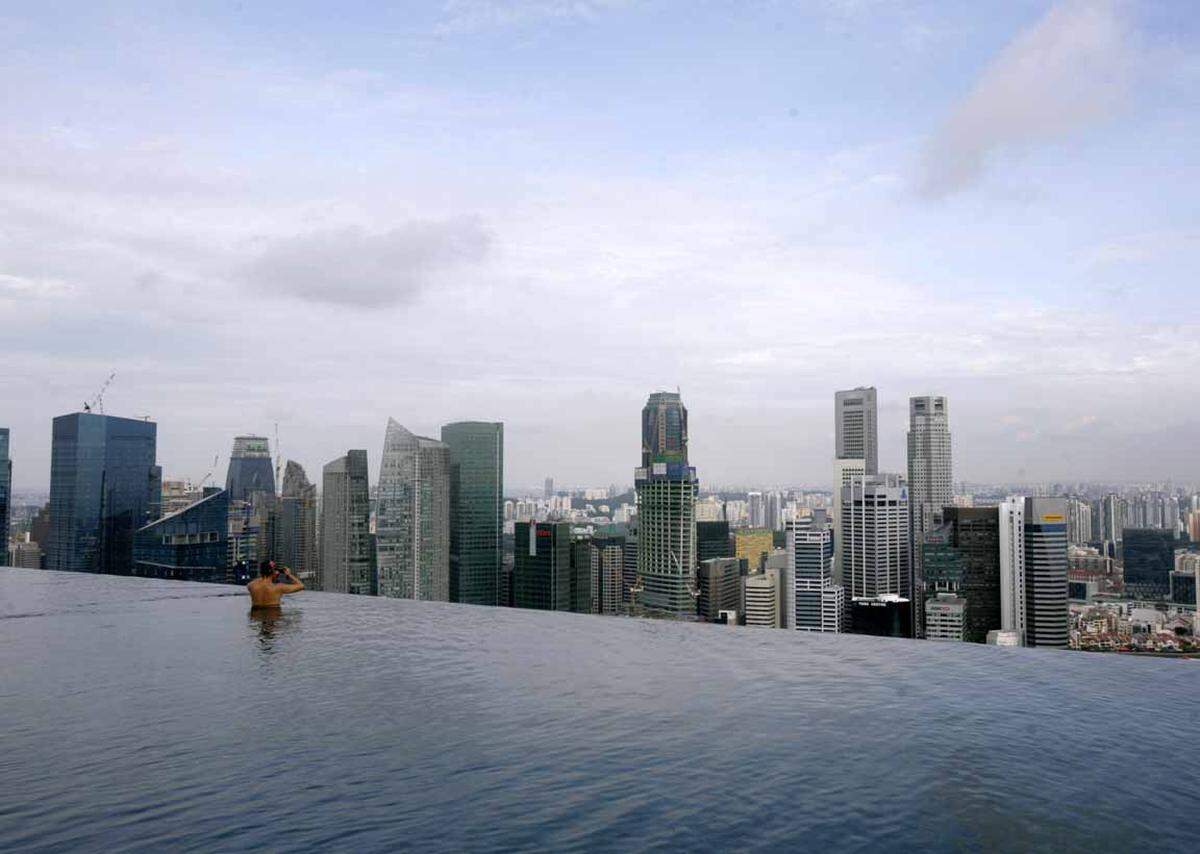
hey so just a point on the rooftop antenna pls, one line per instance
(97, 400)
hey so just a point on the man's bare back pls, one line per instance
(265, 593)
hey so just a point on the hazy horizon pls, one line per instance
(538, 212)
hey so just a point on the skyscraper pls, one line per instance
(1012, 567)
(818, 605)
(1114, 517)
(1033, 570)
(1149, 557)
(975, 536)
(1047, 618)
(250, 469)
(476, 510)
(666, 495)
(757, 507)
(762, 598)
(874, 522)
(104, 486)
(844, 473)
(412, 517)
(877, 554)
(856, 423)
(712, 540)
(189, 544)
(295, 526)
(930, 477)
(720, 582)
(608, 558)
(5, 495)
(347, 545)
(581, 573)
(542, 565)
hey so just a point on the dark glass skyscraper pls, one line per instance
(5, 495)
(476, 510)
(542, 565)
(189, 545)
(104, 486)
(250, 469)
(1149, 559)
(712, 540)
(975, 537)
(666, 496)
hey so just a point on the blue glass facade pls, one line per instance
(476, 510)
(191, 545)
(104, 486)
(250, 469)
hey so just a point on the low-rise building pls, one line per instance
(945, 616)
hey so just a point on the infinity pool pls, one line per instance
(153, 714)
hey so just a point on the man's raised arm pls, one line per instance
(295, 587)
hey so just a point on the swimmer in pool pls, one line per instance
(264, 592)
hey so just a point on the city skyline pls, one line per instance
(899, 220)
(895, 460)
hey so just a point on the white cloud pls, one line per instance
(350, 266)
(1069, 71)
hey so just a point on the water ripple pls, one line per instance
(143, 715)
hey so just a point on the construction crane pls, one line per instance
(97, 401)
(208, 476)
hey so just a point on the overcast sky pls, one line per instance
(540, 211)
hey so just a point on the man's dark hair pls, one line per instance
(266, 568)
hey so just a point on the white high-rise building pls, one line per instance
(347, 562)
(816, 604)
(412, 528)
(1012, 567)
(876, 554)
(844, 473)
(856, 420)
(930, 479)
(758, 509)
(761, 595)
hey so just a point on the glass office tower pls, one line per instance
(476, 510)
(412, 520)
(5, 495)
(191, 544)
(666, 496)
(1149, 557)
(347, 544)
(104, 486)
(542, 565)
(250, 468)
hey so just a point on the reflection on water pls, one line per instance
(272, 623)
(152, 715)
